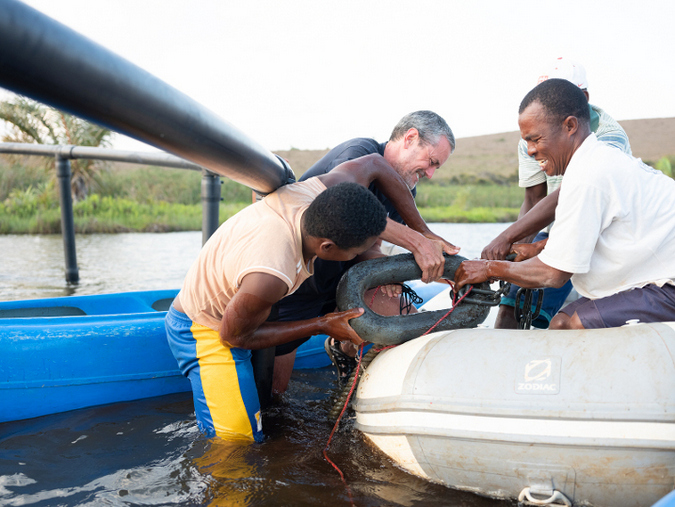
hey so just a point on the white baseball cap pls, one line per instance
(564, 68)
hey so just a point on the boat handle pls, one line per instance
(557, 495)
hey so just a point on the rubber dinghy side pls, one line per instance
(588, 414)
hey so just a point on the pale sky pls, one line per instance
(310, 74)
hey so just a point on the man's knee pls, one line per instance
(283, 369)
(559, 321)
(563, 321)
(506, 318)
(379, 302)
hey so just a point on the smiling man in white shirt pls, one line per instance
(614, 230)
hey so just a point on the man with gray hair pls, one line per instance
(419, 144)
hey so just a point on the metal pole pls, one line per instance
(67, 221)
(92, 153)
(210, 204)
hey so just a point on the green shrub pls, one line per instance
(456, 214)
(15, 176)
(149, 199)
(26, 202)
(665, 166)
(470, 196)
(163, 184)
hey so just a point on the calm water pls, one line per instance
(33, 266)
(149, 452)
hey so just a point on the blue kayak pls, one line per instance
(61, 354)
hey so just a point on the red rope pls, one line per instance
(455, 302)
(372, 300)
(344, 408)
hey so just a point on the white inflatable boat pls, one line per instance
(548, 417)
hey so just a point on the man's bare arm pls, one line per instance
(530, 274)
(533, 195)
(374, 168)
(427, 251)
(244, 322)
(525, 228)
(417, 237)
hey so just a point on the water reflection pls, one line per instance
(33, 266)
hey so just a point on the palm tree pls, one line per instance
(32, 122)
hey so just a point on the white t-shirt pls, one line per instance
(615, 223)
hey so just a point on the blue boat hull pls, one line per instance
(61, 354)
(66, 353)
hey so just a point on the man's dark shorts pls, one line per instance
(310, 310)
(651, 303)
(554, 299)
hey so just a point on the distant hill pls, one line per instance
(651, 139)
(494, 157)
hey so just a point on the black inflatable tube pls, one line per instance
(402, 328)
(51, 63)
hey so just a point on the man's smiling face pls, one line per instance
(548, 142)
(420, 160)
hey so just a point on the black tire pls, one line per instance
(401, 328)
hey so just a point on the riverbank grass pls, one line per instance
(152, 199)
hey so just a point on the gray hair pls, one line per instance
(429, 125)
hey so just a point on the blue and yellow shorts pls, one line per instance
(223, 387)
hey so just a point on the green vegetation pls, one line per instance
(456, 214)
(32, 122)
(147, 184)
(152, 199)
(145, 199)
(665, 166)
(466, 197)
(468, 203)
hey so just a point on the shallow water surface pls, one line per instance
(149, 452)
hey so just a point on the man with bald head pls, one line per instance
(614, 229)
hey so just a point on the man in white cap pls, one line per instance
(541, 197)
